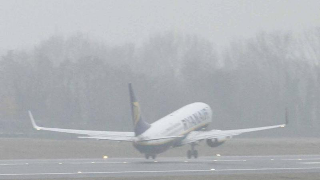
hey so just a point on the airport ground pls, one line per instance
(286, 176)
(27, 148)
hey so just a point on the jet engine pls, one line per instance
(216, 141)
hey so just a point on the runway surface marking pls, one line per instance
(114, 167)
(267, 169)
(168, 171)
(79, 163)
(70, 163)
(310, 163)
(111, 161)
(163, 160)
(108, 162)
(18, 164)
(300, 159)
(228, 160)
(124, 162)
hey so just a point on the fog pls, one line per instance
(70, 62)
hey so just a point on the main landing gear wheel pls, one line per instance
(195, 154)
(153, 156)
(192, 152)
(147, 156)
(189, 154)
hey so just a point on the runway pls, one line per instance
(173, 166)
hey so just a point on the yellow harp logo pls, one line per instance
(136, 112)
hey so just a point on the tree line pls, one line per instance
(79, 82)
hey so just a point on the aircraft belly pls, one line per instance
(153, 148)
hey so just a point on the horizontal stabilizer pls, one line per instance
(135, 139)
(160, 138)
(110, 138)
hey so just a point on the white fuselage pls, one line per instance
(178, 124)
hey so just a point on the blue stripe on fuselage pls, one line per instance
(160, 147)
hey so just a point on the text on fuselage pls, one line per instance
(195, 119)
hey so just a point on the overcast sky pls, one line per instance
(23, 23)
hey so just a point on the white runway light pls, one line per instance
(105, 157)
(218, 155)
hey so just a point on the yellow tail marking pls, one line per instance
(136, 112)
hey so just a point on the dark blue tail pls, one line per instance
(140, 126)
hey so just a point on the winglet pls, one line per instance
(287, 119)
(33, 121)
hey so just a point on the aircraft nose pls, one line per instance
(209, 112)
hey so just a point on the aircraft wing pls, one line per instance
(222, 134)
(132, 139)
(105, 135)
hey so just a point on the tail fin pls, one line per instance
(140, 126)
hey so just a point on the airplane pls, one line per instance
(182, 127)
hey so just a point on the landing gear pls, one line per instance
(195, 154)
(192, 152)
(147, 156)
(189, 154)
